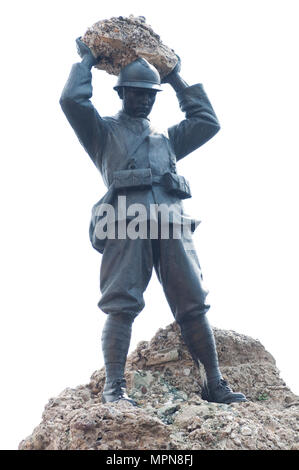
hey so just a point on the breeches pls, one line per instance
(127, 267)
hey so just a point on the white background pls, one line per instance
(244, 183)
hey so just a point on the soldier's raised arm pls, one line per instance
(201, 122)
(75, 101)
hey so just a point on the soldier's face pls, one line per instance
(138, 102)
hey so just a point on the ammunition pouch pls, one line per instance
(135, 178)
(176, 185)
(142, 178)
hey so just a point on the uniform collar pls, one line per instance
(123, 115)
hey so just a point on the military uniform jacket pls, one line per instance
(109, 140)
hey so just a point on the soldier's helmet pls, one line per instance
(139, 74)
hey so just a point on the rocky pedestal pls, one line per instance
(119, 41)
(163, 379)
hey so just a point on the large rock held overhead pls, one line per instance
(119, 41)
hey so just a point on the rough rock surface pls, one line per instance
(163, 379)
(119, 41)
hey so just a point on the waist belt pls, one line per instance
(142, 178)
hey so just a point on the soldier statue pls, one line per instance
(139, 163)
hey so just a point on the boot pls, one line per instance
(221, 393)
(200, 341)
(116, 338)
(115, 391)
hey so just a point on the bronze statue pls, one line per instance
(139, 164)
